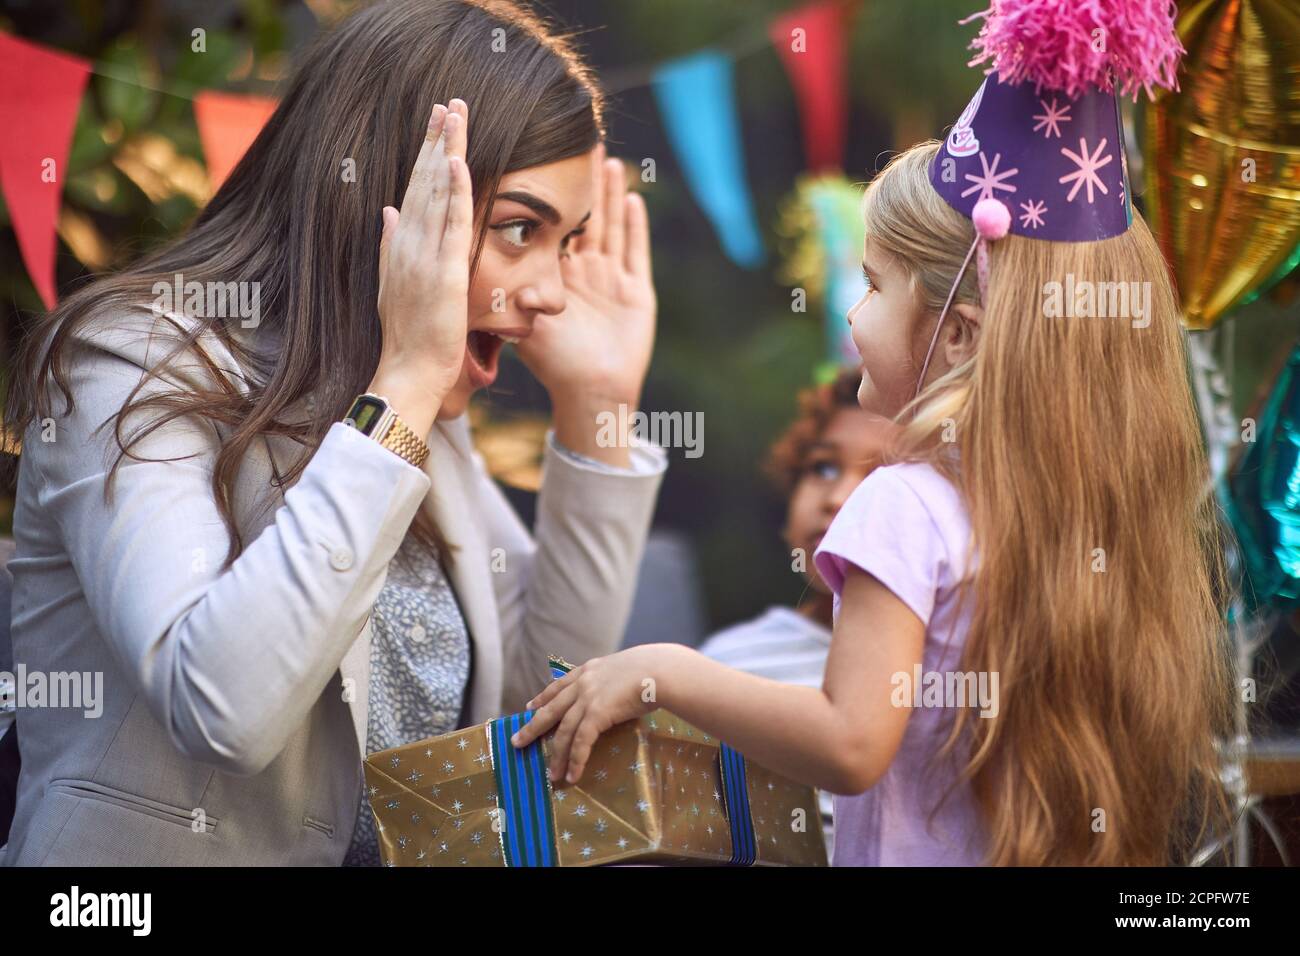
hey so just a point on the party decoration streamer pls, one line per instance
(810, 42)
(228, 124)
(40, 93)
(696, 97)
(822, 233)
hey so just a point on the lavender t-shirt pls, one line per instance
(906, 525)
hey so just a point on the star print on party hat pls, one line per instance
(1042, 134)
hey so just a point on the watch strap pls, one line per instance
(400, 439)
(387, 428)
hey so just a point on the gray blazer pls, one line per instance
(234, 704)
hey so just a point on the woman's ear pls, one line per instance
(961, 340)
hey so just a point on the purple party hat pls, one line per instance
(1042, 134)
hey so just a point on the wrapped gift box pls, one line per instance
(656, 790)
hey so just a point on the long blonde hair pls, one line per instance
(1098, 587)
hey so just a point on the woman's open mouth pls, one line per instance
(482, 352)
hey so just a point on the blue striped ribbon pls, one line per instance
(744, 848)
(523, 792)
(523, 795)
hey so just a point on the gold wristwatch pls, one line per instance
(372, 415)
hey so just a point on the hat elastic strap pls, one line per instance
(952, 294)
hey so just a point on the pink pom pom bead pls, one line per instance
(992, 218)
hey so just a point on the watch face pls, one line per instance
(365, 413)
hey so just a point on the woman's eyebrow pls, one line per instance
(539, 206)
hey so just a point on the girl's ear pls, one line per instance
(961, 340)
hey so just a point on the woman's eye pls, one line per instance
(517, 232)
(869, 286)
(568, 240)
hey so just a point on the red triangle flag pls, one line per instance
(810, 41)
(40, 94)
(228, 124)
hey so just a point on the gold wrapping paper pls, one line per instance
(651, 793)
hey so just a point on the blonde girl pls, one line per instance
(1027, 665)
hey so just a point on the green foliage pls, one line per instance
(127, 84)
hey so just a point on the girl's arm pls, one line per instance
(840, 738)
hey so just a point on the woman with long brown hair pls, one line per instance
(269, 531)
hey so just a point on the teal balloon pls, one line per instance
(1263, 499)
(1289, 263)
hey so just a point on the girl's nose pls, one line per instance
(859, 304)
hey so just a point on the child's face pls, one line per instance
(885, 323)
(848, 450)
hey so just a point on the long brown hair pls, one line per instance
(1077, 443)
(288, 219)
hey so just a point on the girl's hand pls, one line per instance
(600, 345)
(424, 271)
(589, 700)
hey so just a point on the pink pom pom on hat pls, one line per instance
(1042, 134)
(992, 218)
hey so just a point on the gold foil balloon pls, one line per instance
(1223, 153)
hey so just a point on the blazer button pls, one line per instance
(341, 559)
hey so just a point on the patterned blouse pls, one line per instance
(419, 668)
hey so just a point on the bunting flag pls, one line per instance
(810, 42)
(228, 123)
(696, 97)
(40, 94)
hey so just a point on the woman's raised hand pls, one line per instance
(424, 275)
(601, 344)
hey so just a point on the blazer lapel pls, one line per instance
(454, 506)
